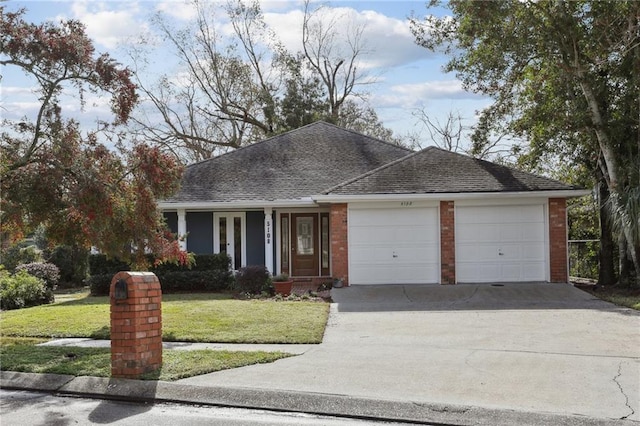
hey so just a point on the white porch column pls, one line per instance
(268, 239)
(182, 229)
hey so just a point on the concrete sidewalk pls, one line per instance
(467, 354)
(186, 346)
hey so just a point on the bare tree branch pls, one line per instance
(338, 70)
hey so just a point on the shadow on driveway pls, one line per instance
(434, 297)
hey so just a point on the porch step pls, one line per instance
(302, 287)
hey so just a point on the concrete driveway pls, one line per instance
(529, 347)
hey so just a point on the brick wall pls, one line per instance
(136, 325)
(339, 242)
(558, 240)
(447, 243)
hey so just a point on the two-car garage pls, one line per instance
(399, 243)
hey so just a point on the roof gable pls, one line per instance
(434, 170)
(294, 165)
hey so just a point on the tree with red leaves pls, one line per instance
(55, 174)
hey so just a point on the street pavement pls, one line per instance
(34, 408)
(466, 354)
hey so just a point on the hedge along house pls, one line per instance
(321, 202)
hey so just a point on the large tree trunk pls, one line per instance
(606, 272)
(609, 166)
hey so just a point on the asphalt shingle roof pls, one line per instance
(297, 164)
(434, 170)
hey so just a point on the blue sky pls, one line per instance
(408, 77)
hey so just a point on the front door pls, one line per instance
(228, 237)
(304, 245)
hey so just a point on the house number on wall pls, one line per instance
(406, 203)
(268, 232)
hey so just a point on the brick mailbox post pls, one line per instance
(136, 324)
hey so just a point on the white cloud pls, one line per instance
(19, 109)
(417, 94)
(17, 102)
(287, 27)
(441, 89)
(185, 10)
(280, 5)
(20, 102)
(387, 41)
(181, 10)
(180, 79)
(108, 26)
(16, 91)
(391, 41)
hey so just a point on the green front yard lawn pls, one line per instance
(208, 317)
(20, 355)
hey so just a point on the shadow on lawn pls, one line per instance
(103, 333)
(89, 300)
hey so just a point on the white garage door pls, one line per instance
(500, 244)
(393, 246)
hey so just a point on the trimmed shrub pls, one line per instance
(47, 272)
(100, 284)
(212, 262)
(18, 254)
(196, 281)
(72, 263)
(220, 280)
(172, 282)
(210, 273)
(203, 262)
(180, 281)
(21, 290)
(100, 264)
(253, 279)
(269, 289)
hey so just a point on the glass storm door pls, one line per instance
(229, 237)
(304, 245)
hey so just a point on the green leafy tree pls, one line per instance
(304, 98)
(54, 174)
(362, 118)
(563, 75)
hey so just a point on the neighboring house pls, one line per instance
(321, 201)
